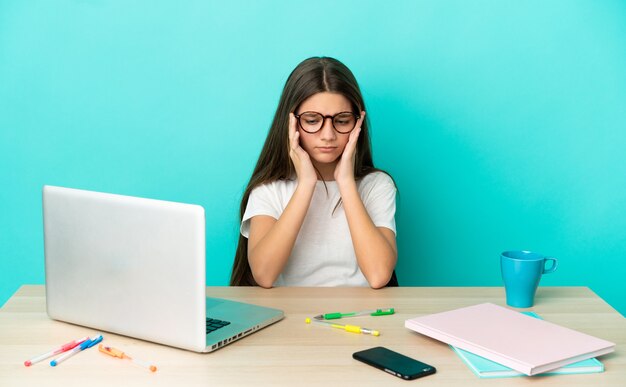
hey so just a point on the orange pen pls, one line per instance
(117, 353)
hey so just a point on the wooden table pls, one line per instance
(293, 353)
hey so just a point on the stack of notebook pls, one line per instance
(490, 369)
(485, 368)
(497, 342)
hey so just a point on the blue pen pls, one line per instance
(86, 344)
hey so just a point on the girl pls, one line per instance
(316, 212)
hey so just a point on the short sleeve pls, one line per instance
(378, 192)
(262, 201)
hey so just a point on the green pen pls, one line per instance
(374, 312)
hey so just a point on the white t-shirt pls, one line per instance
(323, 254)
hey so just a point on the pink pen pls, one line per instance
(61, 349)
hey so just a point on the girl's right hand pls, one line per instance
(300, 158)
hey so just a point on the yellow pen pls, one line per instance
(347, 328)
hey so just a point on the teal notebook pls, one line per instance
(489, 369)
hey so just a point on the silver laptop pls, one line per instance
(136, 267)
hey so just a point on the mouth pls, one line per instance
(326, 149)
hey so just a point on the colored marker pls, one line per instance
(86, 344)
(347, 328)
(65, 347)
(374, 312)
(117, 353)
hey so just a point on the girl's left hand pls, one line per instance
(344, 171)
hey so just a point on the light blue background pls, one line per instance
(503, 122)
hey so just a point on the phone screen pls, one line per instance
(394, 363)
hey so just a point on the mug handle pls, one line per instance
(552, 268)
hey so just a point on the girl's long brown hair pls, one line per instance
(312, 76)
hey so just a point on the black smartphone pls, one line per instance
(394, 363)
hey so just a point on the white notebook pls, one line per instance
(520, 342)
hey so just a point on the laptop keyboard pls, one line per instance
(213, 324)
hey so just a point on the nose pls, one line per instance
(327, 132)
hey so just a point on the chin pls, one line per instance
(326, 159)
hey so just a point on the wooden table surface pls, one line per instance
(291, 352)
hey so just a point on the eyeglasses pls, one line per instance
(312, 122)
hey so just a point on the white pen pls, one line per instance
(65, 347)
(86, 344)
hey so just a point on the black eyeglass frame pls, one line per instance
(332, 121)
